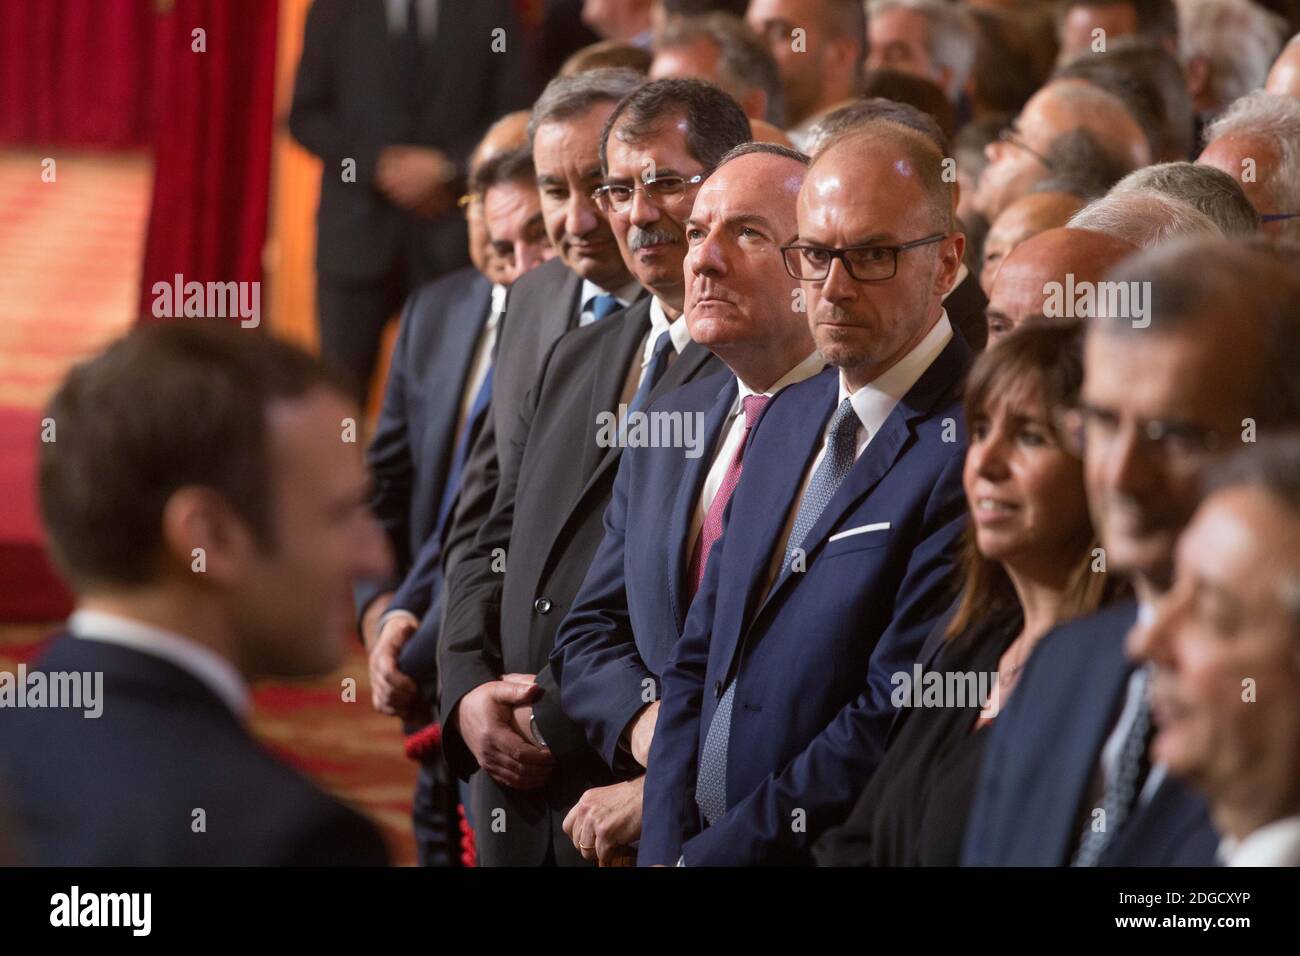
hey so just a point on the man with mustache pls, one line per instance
(1067, 776)
(841, 533)
(507, 596)
(667, 506)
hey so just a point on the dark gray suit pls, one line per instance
(548, 516)
(351, 99)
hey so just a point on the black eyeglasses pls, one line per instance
(662, 190)
(863, 263)
(1175, 443)
(1012, 138)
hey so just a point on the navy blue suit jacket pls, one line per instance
(813, 657)
(614, 643)
(1044, 753)
(121, 789)
(411, 452)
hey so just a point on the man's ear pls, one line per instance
(755, 103)
(202, 534)
(950, 263)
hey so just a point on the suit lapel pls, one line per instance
(617, 352)
(681, 544)
(885, 446)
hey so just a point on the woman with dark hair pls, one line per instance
(1028, 564)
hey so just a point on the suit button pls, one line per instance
(717, 689)
(542, 605)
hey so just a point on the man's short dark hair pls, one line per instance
(568, 96)
(1081, 165)
(714, 121)
(742, 57)
(1149, 79)
(167, 406)
(926, 95)
(509, 166)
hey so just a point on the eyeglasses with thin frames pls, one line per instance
(662, 190)
(1012, 138)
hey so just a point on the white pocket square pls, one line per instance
(863, 529)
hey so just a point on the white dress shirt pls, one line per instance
(1274, 844)
(201, 663)
(625, 294)
(679, 335)
(482, 361)
(733, 432)
(873, 402)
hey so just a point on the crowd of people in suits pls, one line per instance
(989, 551)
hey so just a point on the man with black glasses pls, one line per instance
(501, 711)
(840, 535)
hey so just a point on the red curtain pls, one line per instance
(212, 143)
(127, 74)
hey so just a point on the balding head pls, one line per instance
(1284, 77)
(1016, 163)
(508, 133)
(1026, 217)
(1021, 288)
(879, 186)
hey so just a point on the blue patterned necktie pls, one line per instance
(841, 451)
(602, 305)
(1120, 794)
(654, 371)
(468, 431)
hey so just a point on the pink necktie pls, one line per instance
(712, 529)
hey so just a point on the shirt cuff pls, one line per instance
(391, 615)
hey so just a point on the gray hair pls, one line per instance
(1144, 219)
(1210, 190)
(1278, 118)
(1238, 38)
(951, 37)
(568, 96)
(743, 59)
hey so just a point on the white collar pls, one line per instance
(1273, 844)
(679, 334)
(498, 303)
(205, 665)
(625, 294)
(874, 401)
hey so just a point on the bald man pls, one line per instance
(508, 133)
(841, 533)
(1018, 158)
(1257, 142)
(1284, 77)
(1020, 290)
(1026, 217)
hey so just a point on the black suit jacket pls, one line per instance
(965, 306)
(1043, 753)
(350, 100)
(122, 789)
(411, 452)
(548, 517)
